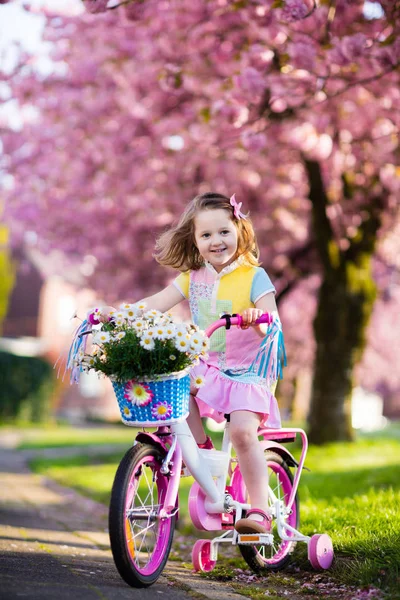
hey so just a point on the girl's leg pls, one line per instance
(243, 432)
(194, 420)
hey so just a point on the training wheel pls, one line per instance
(201, 556)
(320, 551)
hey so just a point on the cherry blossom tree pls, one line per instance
(294, 107)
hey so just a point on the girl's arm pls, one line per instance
(164, 300)
(250, 315)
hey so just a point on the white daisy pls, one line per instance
(199, 381)
(127, 413)
(131, 313)
(138, 325)
(141, 305)
(152, 314)
(120, 335)
(125, 306)
(147, 342)
(196, 343)
(169, 332)
(182, 344)
(159, 332)
(101, 337)
(182, 334)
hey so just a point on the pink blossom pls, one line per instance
(254, 141)
(250, 81)
(294, 10)
(96, 6)
(303, 55)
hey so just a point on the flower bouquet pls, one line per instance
(146, 355)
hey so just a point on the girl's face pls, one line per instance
(216, 237)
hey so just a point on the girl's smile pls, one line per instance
(216, 237)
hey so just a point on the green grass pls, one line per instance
(62, 436)
(352, 493)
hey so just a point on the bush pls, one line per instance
(25, 386)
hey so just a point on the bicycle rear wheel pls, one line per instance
(276, 556)
(140, 540)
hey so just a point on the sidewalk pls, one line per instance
(54, 545)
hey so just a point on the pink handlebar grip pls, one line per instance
(265, 318)
(237, 320)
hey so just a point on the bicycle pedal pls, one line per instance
(263, 539)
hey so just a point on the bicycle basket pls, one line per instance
(159, 401)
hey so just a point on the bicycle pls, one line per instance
(144, 500)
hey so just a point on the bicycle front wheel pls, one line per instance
(277, 555)
(140, 540)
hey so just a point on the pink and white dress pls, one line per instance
(231, 381)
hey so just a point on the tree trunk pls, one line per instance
(345, 304)
(344, 308)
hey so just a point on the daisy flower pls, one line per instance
(138, 325)
(152, 314)
(147, 342)
(199, 381)
(126, 412)
(138, 393)
(161, 410)
(125, 306)
(182, 334)
(182, 344)
(141, 305)
(196, 343)
(172, 357)
(159, 332)
(120, 335)
(131, 313)
(169, 332)
(101, 337)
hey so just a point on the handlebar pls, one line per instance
(228, 320)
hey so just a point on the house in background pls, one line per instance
(40, 322)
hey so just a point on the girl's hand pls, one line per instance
(250, 316)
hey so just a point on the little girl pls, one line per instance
(214, 246)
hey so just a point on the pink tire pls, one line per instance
(201, 556)
(320, 551)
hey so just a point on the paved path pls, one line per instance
(54, 545)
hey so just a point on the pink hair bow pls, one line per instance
(236, 208)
